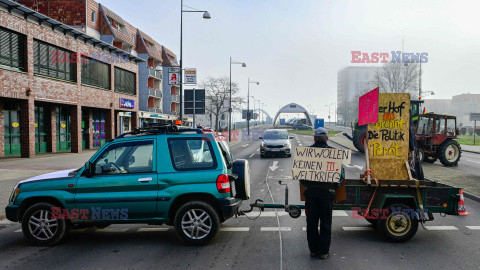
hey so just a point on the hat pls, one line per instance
(320, 131)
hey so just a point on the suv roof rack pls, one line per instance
(159, 128)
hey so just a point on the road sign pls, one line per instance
(173, 76)
(191, 76)
(474, 116)
(199, 103)
(244, 114)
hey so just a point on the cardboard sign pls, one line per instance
(368, 108)
(388, 138)
(318, 164)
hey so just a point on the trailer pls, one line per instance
(394, 207)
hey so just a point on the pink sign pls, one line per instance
(368, 108)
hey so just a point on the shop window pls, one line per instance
(53, 61)
(12, 50)
(95, 73)
(125, 81)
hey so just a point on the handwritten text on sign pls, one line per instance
(319, 164)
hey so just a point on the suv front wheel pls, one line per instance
(40, 227)
(196, 223)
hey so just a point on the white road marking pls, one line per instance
(235, 229)
(472, 161)
(357, 228)
(275, 229)
(339, 213)
(252, 155)
(245, 145)
(473, 227)
(19, 230)
(153, 229)
(335, 213)
(441, 228)
(274, 166)
(258, 150)
(112, 230)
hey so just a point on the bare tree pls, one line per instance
(218, 94)
(398, 78)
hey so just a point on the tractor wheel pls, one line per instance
(421, 155)
(359, 139)
(429, 159)
(449, 153)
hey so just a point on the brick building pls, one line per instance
(61, 89)
(98, 21)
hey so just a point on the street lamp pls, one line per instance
(248, 105)
(206, 15)
(230, 104)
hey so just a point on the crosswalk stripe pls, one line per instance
(275, 229)
(281, 213)
(441, 228)
(235, 229)
(473, 227)
(357, 228)
(153, 229)
(19, 230)
(112, 230)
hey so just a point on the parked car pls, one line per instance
(302, 127)
(186, 178)
(275, 142)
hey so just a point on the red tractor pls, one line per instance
(436, 134)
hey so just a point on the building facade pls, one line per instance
(100, 22)
(352, 81)
(60, 89)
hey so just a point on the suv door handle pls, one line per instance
(145, 179)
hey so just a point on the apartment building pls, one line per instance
(60, 89)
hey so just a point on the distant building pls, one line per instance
(460, 105)
(351, 82)
(442, 106)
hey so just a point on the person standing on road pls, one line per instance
(319, 207)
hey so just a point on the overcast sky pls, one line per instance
(295, 48)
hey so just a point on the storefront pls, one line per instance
(11, 122)
(148, 118)
(98, 127)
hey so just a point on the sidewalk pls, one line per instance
(471, 148)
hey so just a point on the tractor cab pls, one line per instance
(435, 138)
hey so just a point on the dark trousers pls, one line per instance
(319, 208)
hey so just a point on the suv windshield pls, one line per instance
(275, 135)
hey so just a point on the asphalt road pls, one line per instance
(469, 162)
(269, 241)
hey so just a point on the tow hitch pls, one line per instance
(295, 211)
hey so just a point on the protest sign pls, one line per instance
(319, 164)
(388, 138)
(368, 108)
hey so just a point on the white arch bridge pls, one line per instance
(294, 108)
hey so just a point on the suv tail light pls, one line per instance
(223, 183)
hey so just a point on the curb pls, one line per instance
(469, 195)
(468, 151)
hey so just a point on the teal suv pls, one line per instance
(186, 178)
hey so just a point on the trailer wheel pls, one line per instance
(449, 153)
(399, 226)
(359, 139)
(421, 155)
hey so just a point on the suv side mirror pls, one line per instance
(261, 138)
(89, 169)
(291, 137)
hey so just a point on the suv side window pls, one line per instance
(191, 154)
(123, 158)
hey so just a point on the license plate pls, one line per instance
(275, 150)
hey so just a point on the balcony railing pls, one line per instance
(154, 93)
(155, 110)
(175, 99)
(157, 74)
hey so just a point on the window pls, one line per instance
(125, 81)
(94, 18)
(191, 154)
(451, 127)
(95, 73)
(275, 135)
(53, 61)
(12, 49)
(124, 158)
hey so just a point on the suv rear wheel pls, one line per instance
(40, 227)
(196, 222)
